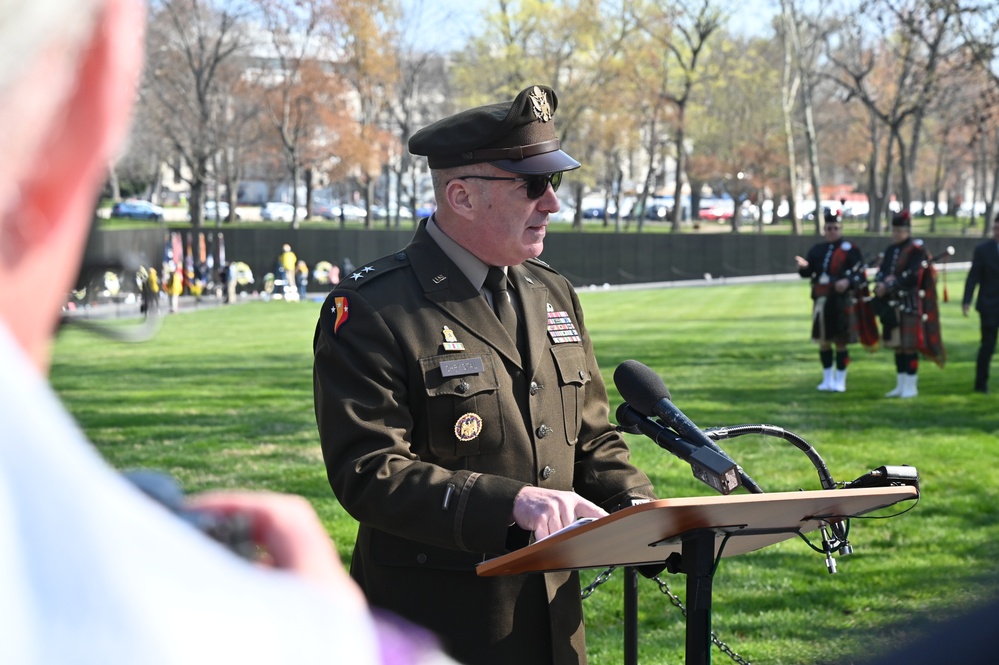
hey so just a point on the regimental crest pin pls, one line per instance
(451, 342)
(468, 427)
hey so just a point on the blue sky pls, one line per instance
(446, 22)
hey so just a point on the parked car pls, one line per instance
(566, 213)
(425, 210)
(718, 211)
(658, 212)
(351, 211)
(137, 209)
(276, 211)
(325, 210)
(381, 212)
(208, 211)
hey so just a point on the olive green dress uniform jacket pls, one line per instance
(393, 407)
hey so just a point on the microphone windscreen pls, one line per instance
(640, 386)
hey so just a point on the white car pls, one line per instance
(276, 211)
(351, 211)
(208, 211)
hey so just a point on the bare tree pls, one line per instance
(293, 87)
(895, 78)
(366, 38)
(979, 28)
(575, 50)
(803, 40)
(681, 30)
(189, 41)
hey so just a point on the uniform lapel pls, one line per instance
(446, 286)
(533, 295)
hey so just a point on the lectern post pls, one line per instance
(630, 616)
(698, 556)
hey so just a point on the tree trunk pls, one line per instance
(681, 166)
(296, 172)
(789, 88)
(990, 203)
(813, 155)
(309, 174)
(875, 197)
(938, 181)
(906, 188)
(886, 188)
(113, 182)
(198, 182)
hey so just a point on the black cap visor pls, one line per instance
(548, 162)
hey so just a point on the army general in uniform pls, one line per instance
(459, 403)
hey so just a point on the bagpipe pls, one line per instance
(920, 301)
(907, 300)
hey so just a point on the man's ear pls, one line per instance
(86, 134)
(461, 198)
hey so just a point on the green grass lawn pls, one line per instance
(223, 398)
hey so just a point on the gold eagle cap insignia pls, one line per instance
(539, 102)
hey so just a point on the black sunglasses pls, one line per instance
(537, 185)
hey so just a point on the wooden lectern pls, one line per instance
(698, 530)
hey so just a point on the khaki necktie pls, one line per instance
(496, 282)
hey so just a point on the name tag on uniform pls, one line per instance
(462, 367)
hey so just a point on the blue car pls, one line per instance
(137, 209)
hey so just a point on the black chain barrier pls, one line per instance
(605, 576)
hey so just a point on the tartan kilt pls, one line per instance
(834, 320)
(906, 334)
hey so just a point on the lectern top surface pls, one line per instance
(650, 532)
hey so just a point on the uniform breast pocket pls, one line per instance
(463, 404)
(573, 375)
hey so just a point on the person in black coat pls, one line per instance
(984, 274)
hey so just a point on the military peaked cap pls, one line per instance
(517, 136)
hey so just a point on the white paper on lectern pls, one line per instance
(578, 523)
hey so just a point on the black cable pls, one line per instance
(825, 478)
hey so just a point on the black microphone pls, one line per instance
(709, 466)
(645, 391)
(640, 386)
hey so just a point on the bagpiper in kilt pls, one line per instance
(841, 314)
(906, 304)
